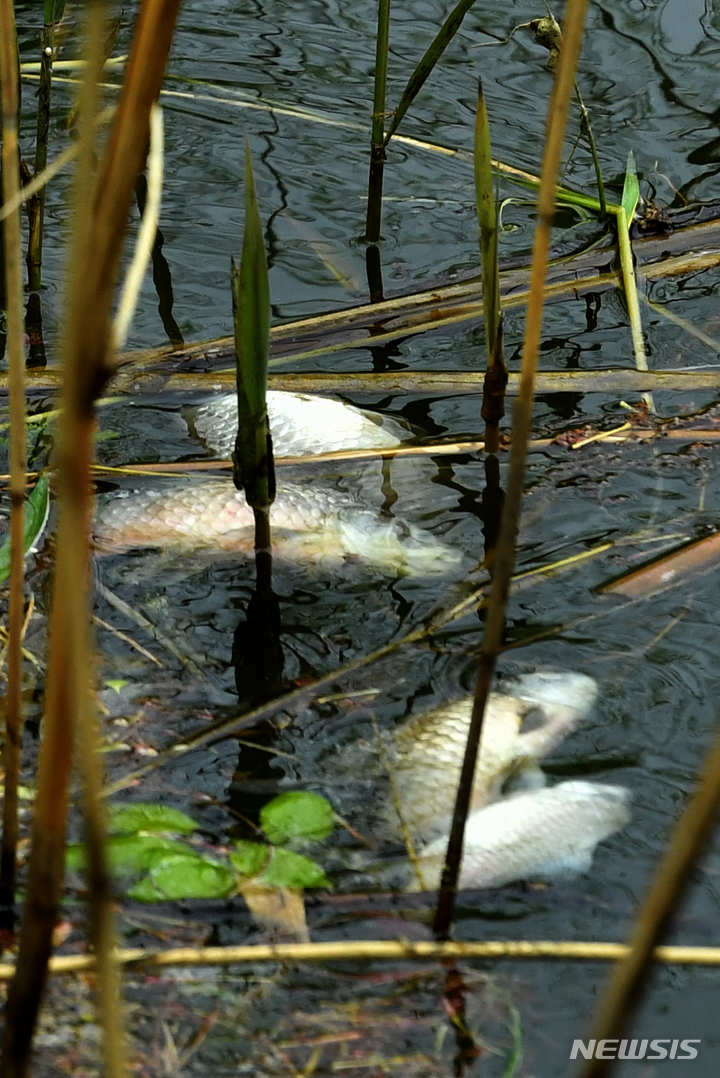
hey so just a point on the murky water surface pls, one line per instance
(648, 77)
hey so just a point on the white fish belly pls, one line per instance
(542, 834)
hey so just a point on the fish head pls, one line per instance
(550, 704)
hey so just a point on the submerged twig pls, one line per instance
(144, 623)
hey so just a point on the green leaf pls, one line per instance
(37, 508)
(143, 816)
(254, 471)
(631, 189)
(117, 684)
(288, 869)
(297, 814)
(435, 50)
(146, 891)
(189, 876)
(250, 858)
(129, 854)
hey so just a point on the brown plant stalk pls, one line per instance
(96, 250)
(14, 288)
(522, 426)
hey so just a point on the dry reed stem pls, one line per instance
(16, 375)
(70, 613)
(377, 950)
(612, 380)
(686, 845)
(68, 664)
(436, 382)
(522, 426)
(96, 249)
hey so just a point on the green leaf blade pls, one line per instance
(252, 335)
(297, 814)
(429, 60)
(185, 877)
(631, 189)
(129, 854)
(37, 508)
(254, 472)
(147, 816)
(288, 869)
(250, 858)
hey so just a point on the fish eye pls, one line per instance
(532, 720)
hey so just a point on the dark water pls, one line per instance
(648, 77)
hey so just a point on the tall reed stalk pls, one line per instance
(14, 288)
(377, 142)
(522, 427)
(102, 208)
(36, 204)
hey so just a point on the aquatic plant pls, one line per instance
(140, 844)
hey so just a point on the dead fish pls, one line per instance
(541, 834)
(301, 424)
(522, 724)
(309, 524)
(538, 833)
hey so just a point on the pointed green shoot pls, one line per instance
(37, 508)
(487, 220)
(625, 214)
(251, 315)
(631, 189)
(419, 76)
